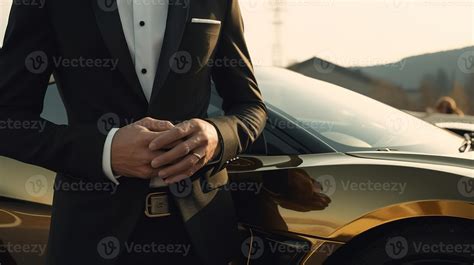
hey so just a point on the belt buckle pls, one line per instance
(157, 205)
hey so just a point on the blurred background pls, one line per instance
(416, 55)
(406, 53)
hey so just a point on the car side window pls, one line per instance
(53, 107)
(277, 146)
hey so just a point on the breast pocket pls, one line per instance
(200, 40)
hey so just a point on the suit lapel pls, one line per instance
(110, 25)
(178, 12)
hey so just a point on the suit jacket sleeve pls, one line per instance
(75, 150)
(245, 112)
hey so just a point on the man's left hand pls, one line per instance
(200, 144)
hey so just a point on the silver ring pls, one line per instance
(197, 155)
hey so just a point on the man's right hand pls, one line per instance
(131, 156)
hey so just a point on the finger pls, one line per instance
(155, 125)
(317, 184)
(185, 165)
(294, 206)
(189, 173)
(178, 132)
(322, 197)
(148, 156)
(179, 151)
(172, 145)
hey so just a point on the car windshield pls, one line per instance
(349, 121)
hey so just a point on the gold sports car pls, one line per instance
(336, 178)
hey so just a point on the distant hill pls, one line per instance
(408, 73)
(354, 80)
(414, 83)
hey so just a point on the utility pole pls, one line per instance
(277, 49)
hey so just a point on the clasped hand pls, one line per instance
(156, 148)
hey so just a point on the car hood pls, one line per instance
(463, 160)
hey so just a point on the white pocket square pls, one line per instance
(205, 21)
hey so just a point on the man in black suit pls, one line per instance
(144, 69)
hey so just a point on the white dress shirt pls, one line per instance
(144, 24)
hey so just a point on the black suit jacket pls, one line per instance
(38, 40)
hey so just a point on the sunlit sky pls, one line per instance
(351, 32)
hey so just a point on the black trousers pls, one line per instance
(159, 240)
